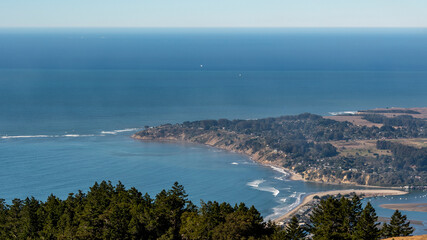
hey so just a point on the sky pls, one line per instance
(213, 13)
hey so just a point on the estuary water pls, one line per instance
(70, 100)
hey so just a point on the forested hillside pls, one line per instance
(114, 212)
(305, 144)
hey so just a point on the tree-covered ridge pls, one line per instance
(114, 212)
(313, 127)
(412, 126)
(345, 219)
(303, 143)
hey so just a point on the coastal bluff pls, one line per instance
(314, 148)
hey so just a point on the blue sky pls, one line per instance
(213, 13)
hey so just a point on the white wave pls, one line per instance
(256, 185)
(281, 210)
(283, 199)
(280, 170)
(46, 136)
(71, 135)
(127, 130)
(270, 189)
(235, 163)
(293, 195)
(343, 112)
(109, 132)
(114, 132)
(27, 136)
(78, 135)
(282, 178)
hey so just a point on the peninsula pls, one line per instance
(380, 147)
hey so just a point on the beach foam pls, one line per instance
(256, 185)
(280, 170)
(114, 132)
(280, 210)
(285, 175)
(47, 136)
(27, 136)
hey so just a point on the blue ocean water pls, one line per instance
(70, 99)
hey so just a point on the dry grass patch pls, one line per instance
(368, 148)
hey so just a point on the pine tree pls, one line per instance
(398, 226)
(3, 212)
(367, 226)
(294, 231)
(356, 211)
(327, 221)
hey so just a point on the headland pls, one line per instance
(379, 148)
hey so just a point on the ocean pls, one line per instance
(71, 98)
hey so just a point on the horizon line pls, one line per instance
(211, 27)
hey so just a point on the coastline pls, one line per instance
(292, 175)
(366, 192)
(379, 191)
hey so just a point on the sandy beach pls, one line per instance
(365, 192)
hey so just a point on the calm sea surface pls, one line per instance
(70, 99)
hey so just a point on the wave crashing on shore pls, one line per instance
(256, 185)
(280, 210)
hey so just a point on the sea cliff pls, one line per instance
(314, 148)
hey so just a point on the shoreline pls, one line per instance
(291, 175)
(366, 192)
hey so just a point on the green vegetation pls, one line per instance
(303, 143)
(398, 226)
(405, 157)
(113, 212)
(412, 127)
(344, 219)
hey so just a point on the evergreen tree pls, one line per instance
(13, 219)
(52, 210)
(398, 226)
(294, 231)
(3, 211)
(328, 220)
(355, 212)
(367, 226)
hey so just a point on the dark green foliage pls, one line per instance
(398, 226)
(367, 225)
(113, 212)
(405, 157)
(343, 219)
(294, 231)
(331, 219)
(408, 123)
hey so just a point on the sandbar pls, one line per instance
(366, 192)
(415, 207)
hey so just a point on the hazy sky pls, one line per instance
(213, 13)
